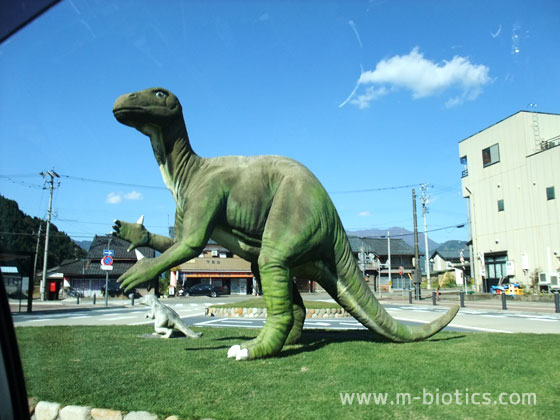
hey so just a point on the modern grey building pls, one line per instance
(511, 180)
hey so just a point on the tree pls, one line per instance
(18, 234)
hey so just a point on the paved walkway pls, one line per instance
(494, 303)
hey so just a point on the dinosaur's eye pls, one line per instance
(160, 94)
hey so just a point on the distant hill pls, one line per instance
(18, 233)
(398, 232)
(84, 244)
(453, 245)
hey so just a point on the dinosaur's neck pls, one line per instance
(173, 152)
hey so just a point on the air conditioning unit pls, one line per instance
(550, 279)
(554, 280)
(543, 279)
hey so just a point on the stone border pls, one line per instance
(45, 410)
(262, 312)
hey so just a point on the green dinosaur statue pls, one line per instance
(269, 210)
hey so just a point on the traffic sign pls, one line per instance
(107, 260)
(108, 252)
(401, 270)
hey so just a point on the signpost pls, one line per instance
(107, 265)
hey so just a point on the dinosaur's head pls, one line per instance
(148, 300)
(155, 106)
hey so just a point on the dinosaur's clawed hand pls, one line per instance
(135, 233)
(140, 272)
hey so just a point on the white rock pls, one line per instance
(75, 412)
(46, 410)
(105, 414)
(140, 415)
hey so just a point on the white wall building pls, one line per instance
(511, 180)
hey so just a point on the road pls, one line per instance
(192, 311)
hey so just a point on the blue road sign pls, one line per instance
(107, 260)
(108, 252)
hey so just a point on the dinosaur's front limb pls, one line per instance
(138, 235)
(149, 268)
(277, 292)
(298, 310)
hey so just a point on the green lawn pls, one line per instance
(113, 367)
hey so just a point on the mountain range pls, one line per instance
(400, 233)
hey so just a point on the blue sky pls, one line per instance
(370, 95)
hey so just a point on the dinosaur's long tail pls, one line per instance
(187, 331)
(353, 293)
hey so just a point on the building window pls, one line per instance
(465, 167)
(550, 193)
(500, 205)
(490, 155)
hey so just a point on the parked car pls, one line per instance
(71, 292)
(116, 291)
(203, 290)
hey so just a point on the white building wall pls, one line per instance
(529, 224)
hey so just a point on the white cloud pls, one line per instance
(364, 214)
(113, 198)
(423, 77)
(117, 198)
(372, 93)
(133, 195)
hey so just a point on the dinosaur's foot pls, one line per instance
(237, 352)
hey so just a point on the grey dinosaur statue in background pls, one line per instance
(165, 319)
(269, 210)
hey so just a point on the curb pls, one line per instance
(44, 410)
(262, 312)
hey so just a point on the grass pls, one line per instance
(113, 367)
(258, 302)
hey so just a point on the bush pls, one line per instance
(448, 280)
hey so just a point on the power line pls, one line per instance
(457, 226)
(127, 184)
(101, 181)
(398, 187)
(84, 179)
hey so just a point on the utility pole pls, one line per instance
(34, 277)
(50, 185)
(389, 259)
(425, 200)
(417, 276)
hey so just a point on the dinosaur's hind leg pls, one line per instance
(165, 332)
(298, 310)
(277, 292)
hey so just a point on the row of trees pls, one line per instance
(18, 234)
